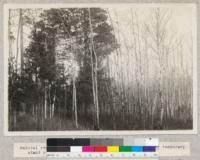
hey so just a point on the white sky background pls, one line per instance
(181, 24)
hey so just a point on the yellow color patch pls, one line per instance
(113, 148)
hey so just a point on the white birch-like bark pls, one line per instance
(94, 72)
(18, 35)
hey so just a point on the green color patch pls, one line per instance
(125, 149)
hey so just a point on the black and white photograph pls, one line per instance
(119, 67)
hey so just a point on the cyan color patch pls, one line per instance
(137, 148)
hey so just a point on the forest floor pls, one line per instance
(28, 123)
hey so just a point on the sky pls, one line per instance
(181, 26)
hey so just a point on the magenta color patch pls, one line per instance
(88, 149)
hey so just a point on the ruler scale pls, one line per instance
(102, 148)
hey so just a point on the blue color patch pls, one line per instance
(149, 149)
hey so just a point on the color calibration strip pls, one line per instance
(102, 148)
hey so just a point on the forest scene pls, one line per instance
(100, 69)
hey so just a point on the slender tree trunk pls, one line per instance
(21, 41)
(45, 100)
(50, 102)
(65, 96)
(46, 86)
(74, 101)
(42, 113)
(9, 34)
(53, 106)
(18, 35)
(94, 73)
(10, 56)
